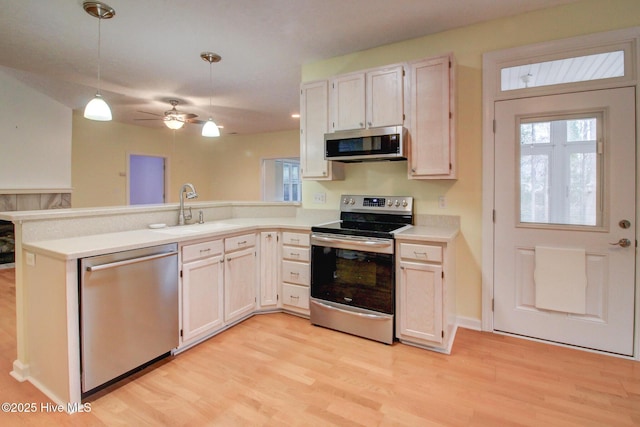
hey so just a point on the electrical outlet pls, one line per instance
(320, 198)
(442, 202)
(30, 259)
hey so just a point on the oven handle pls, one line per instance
(364, 245)
(353, 313)
(371, 243)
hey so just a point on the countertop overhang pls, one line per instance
(71, 248)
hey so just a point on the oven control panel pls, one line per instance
(382, 204)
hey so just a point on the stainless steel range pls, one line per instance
(353, 267)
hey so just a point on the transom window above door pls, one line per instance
(584, 68)
(560, 170)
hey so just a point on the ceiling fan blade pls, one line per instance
(148, 119)
(153, 114)
(196, 121)
(188, 116)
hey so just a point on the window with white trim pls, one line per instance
(281, 180)
(560, 170)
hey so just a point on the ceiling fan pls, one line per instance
(173, 118)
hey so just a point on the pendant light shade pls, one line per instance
(210, 129)
(97, 108)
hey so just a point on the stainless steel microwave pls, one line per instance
(360, 145)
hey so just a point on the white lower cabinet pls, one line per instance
(296, 297)
(202, 290)
(425, 294)
(295, 272)
(269, 270)
(224, 280)
(240, 277)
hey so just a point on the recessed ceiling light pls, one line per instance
(295, 115)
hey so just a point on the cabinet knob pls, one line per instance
(413, 170)
(369, 124)
(361, 124)
(324, 172)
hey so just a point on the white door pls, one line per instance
(146, 179)
(564, 192)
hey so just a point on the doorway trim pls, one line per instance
(492, 63)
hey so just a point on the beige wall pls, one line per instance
(463, 197)
(100, 153)
(225, 168)
(35, 141)
(236, 162)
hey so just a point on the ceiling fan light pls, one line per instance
(173, 123)
(210, 129)
(98, 109)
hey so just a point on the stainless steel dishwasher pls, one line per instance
(128, 311)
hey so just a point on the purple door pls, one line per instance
(146, 180)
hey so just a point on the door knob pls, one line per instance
(625, 243)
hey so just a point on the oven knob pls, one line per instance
(397, 203)
(352, 202)
(404, 203)
(345, 201)
(389, 203)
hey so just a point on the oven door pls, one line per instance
(354, 271)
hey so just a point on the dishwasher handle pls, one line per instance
(129, 261)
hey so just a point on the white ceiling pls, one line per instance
(151, 49)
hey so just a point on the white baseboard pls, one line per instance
(20, 371)
(469, 323)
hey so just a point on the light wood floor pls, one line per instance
(279, 370)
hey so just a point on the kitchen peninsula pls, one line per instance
(50, 243)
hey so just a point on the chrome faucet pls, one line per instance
(190, 195)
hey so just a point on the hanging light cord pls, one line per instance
(99, 61)
(210, 88)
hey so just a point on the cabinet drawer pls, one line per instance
(295, 254)
(296, 296)
(239, 242)
(201, 250)
(295, 272)
(295, 239)
(430, 253)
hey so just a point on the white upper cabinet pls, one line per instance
(368, 99)
(419, 95)
(385, 97)
(348, 102)
(314, 123)
(432, 140)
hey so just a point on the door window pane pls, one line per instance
(560, 171)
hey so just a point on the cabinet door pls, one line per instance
(432, 146)
(269, 262)
(202, 295)
(239, 284)
(419, 303)
(348, 102)
(385, 97)
(314, 123)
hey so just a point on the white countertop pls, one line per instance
(432, 233)
(79, 247)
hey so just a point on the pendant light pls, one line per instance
(97, 108)
(210, 129)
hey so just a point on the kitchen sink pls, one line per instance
(182, 230)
